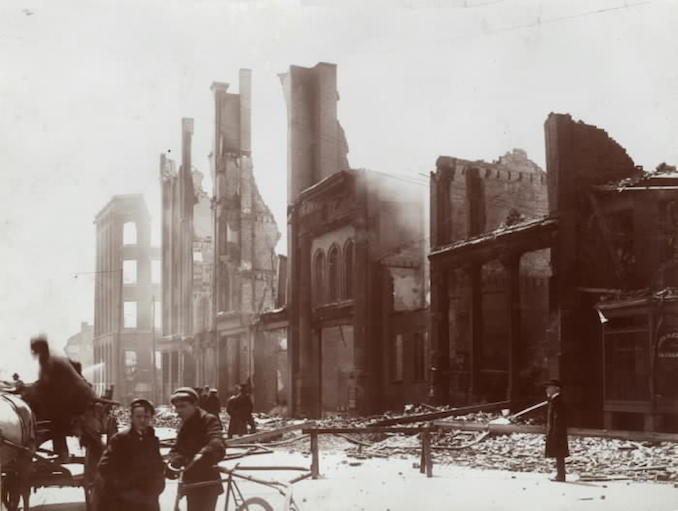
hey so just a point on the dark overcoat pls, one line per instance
(239, 409)
(199, 434)
(556, 428)
(60, 394)
(213, 405)
(132, 472)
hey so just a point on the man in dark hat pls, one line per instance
(213, 404)
(198, 448)
(556, 428)
(60, 394)
(204, 395)
(131, 467)
(239, 409)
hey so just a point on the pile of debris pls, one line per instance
(591, 458)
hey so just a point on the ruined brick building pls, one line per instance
(356, 303)
(246, 265)
(186, 269)
(220, 269)
(478, 281)
(126, 299)
(521, 263)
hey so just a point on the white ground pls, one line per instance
(380, 484)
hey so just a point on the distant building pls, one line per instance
(80, 347)
(126, 299)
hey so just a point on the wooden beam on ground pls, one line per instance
(507, 429)
(429, 416)
(265, 435)
(366, 430)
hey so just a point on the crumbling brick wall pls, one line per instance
(483, 196)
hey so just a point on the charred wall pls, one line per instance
(578, 157)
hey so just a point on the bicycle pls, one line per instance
(235, 495)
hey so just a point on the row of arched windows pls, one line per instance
(333, 273)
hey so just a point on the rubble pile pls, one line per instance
(590, 458)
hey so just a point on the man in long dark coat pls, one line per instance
(198, 448)
(239, 409)
(131, 467)
(60, 394)
(556, 428)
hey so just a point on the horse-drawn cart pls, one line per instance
(25, 464)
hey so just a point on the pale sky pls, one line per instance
(93, 91)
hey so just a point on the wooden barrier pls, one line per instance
(426, 458)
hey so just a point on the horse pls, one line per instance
(17, 447)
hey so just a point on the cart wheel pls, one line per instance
(255, 504)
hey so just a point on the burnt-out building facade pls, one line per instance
(547, 275)
(639, 308)
(246, 266)
(126, 299)
(356, 303)
(475, 288)
(186, 269)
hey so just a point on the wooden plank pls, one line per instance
(506, 429)
(315, 457)
(426, 449)
(265, 435)
(366, 430)
(429, 416)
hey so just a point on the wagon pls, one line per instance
(25, 464)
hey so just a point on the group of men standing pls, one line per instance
(132, 470)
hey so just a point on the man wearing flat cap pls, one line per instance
(198, 448)
(556, 428)
(131, 468)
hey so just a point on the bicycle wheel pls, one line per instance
(255, 504)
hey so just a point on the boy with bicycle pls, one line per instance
(198, 448)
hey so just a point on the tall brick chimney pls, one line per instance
(316, 145)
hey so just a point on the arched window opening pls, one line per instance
(348, 269)
(319, 277)
(333, 274)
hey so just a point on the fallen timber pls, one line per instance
(430, 416)
(507, 429)
(426, 460)
(265, 435)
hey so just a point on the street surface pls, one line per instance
(394, 485)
